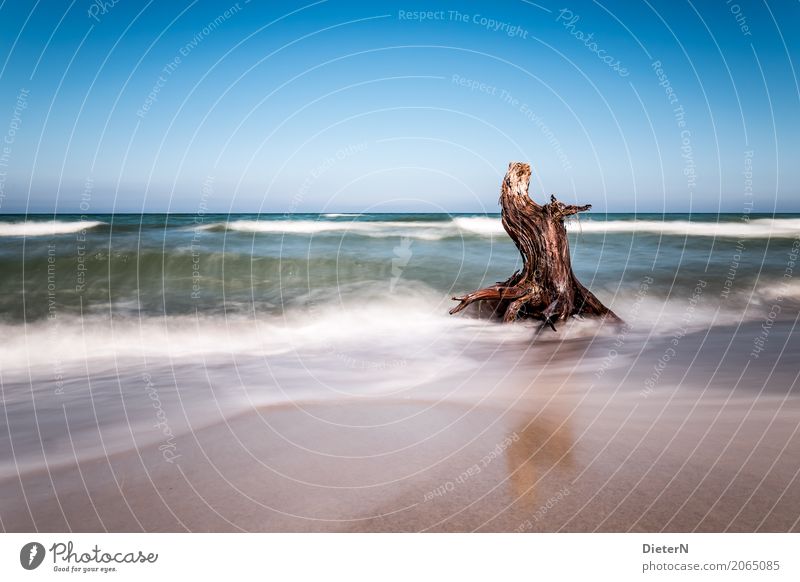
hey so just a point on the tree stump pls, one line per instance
(546, 288)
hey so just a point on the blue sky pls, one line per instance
(345, 106)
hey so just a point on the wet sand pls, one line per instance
(714, 449)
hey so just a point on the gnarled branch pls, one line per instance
(546, 287)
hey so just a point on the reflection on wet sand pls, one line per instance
(543, 451)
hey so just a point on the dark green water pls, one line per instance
(132, 265)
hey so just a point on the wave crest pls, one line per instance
(756, 228)
(486, 226)
(49, 228)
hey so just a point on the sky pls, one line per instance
(336, 106)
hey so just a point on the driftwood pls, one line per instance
(546, 288)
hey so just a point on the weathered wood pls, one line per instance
(545, 288)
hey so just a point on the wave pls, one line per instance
(49, 228)
(361, 325)
(425, 230)
(455, 227)
(757, 228)
(485, 226)
(777, 291)
(383, 229)
(365, 328)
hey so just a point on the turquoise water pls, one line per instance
(134, 266)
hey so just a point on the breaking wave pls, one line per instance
(49, 228)
(486, 226)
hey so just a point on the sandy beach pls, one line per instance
(710, 449)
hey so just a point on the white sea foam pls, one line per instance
(365, 328)
(483, 225)
(486, 226)
(776, 291)
(49, 228)
(757, 228)
(425, 230)
(378, 229)
(308, 226)
(363, 332)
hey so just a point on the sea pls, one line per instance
(130, 330)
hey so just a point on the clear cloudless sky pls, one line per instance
(329, 106)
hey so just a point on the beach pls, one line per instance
(302, 374)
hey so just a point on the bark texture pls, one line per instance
(545, 288)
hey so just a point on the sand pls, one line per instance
(712, 450)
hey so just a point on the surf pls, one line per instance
(49, 228)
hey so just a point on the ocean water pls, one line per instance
(127, 330)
